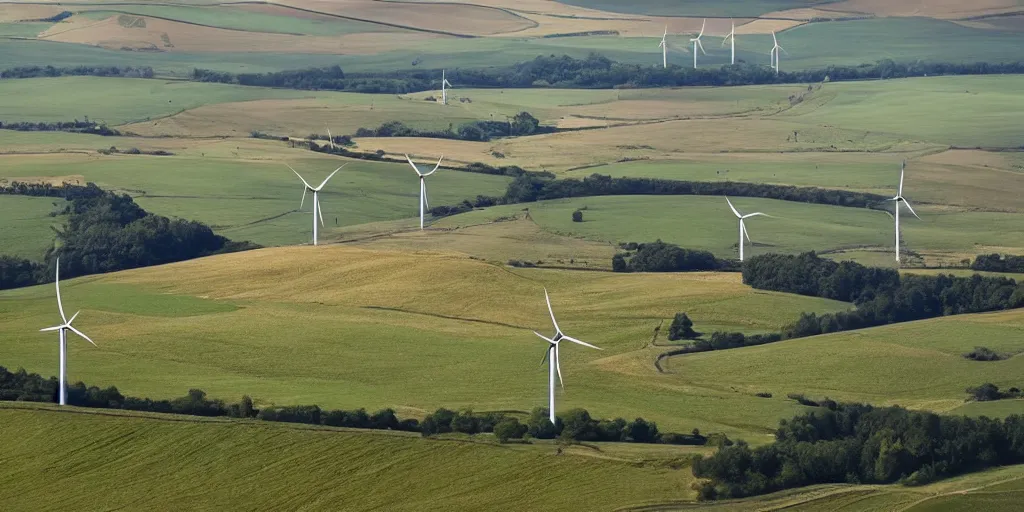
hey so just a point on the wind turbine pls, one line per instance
(330, 138)
(444, 91)
(775, 53)
(899, 199)
(316, 199)
(743, 226)
(664, 49)
(551, 356)
(732, 39)
(63, 328)
(696, 43)
(423, 185)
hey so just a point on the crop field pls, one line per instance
(144, 461)
(726, 8)
(257, 200)
(334, 325)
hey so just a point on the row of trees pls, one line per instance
(659, 256)
(50, 71)
(106, 232)
(76, 126)
(862, 444)
(593, 72)
(997, 263)
(575, 425)
(521, 124)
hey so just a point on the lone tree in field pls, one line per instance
(577, 216)
(682, 328)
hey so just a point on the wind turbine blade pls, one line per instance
(548, 299)
(303, 201)
(299, 175)
(52, 328)
(545, 338)
(436, 166)
(666, 33)
(546, 352)
(417, 169)
(783, 51)
(702, 25)
(755, 214)
(909, 208)
(329, 177)
(774, 40)
(745, 233)
(733, 208)
(903, 170)
(73, 317)
(558, 368)
(701, 46)
(585, 344)
(82, 334)
(319, 212)
(329, 137)
(60, 305)
(426, 203)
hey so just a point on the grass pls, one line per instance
(22, 29)
(236, 18)
(25, 230)
(335, 325)
(121, 460)
(738, 8)
(259, 200)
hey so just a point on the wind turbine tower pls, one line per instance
(664, 49)
(551, 356)
(445, 84)
(743, 226)
(423, 185)
(775, 53)
(317, 214)
(696, 43)
(62, 392)
(899, 199)
(731, 38)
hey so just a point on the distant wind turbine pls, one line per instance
(423, 185)
(551, 356)
(330, 138)
(444, 88)
(775, 53)
(743, 226)
(664, 49)
(899, 199)
(316, 199)
(63, 328)
(732, 39)
(696, 43)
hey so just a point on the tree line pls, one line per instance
(592, 72)
(576, 425)
(76, 126)
(50, 71)
(522, 124)
(997, 263)
(659, 256)
(861, 444)
(106, 232)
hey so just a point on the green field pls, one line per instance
(259, 200)
(336, 326)
(241, 19)
(721, 8)
(170, 462)
(25, 231)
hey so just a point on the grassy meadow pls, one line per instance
(133, 461)
(25, 231)
(346, 327)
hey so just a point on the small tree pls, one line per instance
(577, 216)
(682, 328)
(619, 263)
(509, 428)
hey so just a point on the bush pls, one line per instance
(984, 354)
(619, 263)
(682, 328)
(509, 428)
(577, 216)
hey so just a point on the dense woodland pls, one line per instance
(997, 263)
(865, 445)
(575, 426)
(659, 256)
(50, 71)
(593, 72)
(105, 232)
(522, 124)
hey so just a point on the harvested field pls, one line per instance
(941, 9)
(446, 18)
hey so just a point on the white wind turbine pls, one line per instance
(696, 43)
(316, 199)
(775, 53)
(330, 139)
(551, 356)
(63, 328)
(732, 39)
(444, 88)
(743, 226)
(899, 199)
(664, 48)
(423, 185)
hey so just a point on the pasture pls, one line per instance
(347, 327)
(25, 231)
(133, 461)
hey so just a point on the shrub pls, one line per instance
(577, 216)
(509, 428)
(984, 354)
